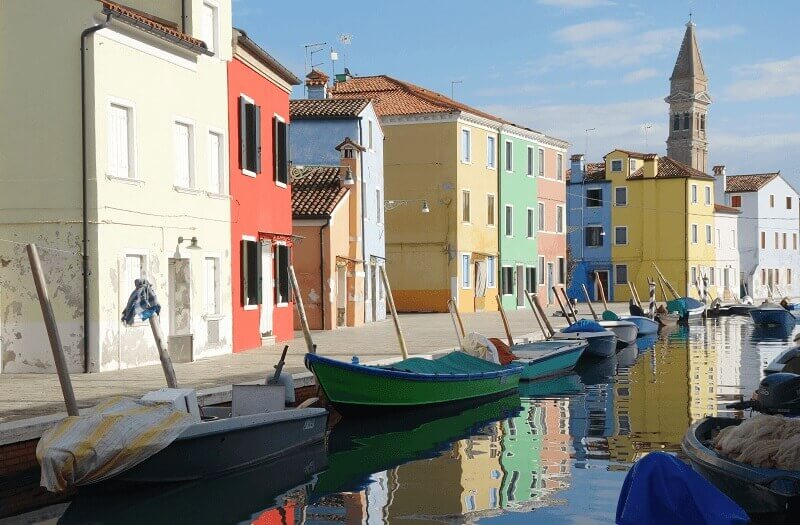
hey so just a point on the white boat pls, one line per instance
(599, 344)
(626, 331)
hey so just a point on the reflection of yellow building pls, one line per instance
(702, 374)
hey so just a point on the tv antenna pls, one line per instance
(310, 49)
(646, 127)
(345, 39)
(587, 130)
(453, 87)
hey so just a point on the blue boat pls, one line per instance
(548, 358)
(771, 314)
(686, 307)
(645, 325)
(600, 342)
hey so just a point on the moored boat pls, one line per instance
(740, 309)
(645, 325)
(548, 358)
(686, 307)
(411, 383)
(600, 343)
(772, 314)
(626, 331)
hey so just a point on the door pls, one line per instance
(520, 286)
(374, 289)
(601, 281)
(341, 295)
(180, 311)
(267, 290)
(550, 273)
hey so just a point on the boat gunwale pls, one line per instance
(241, 423)
(555, 353)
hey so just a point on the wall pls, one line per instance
(727, 253)
(313, 141)
(588, 259)
(259, 205)
(778, 220)
(552, 244)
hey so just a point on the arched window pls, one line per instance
(702, 122)
(687, 121)
(676, 122)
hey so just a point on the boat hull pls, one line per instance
(740, 309)
(777, 316)
(626, 331)
(599, 344)
(645, 325)
(556, 362)
(756, 490)
(354, 388)
(213, 448)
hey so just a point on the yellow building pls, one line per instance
(441, 156)
(662, 212)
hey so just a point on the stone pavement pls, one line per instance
(30, 395)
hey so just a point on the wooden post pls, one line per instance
(301, 310)
(633, 294)
(602, 291)
(393, 310)
(569, 305)
(163, 354)
(455, 322)
(505, 320)
(589, 302)
(544, 316)
(536, 315)
(458, 316)
(671, 289)
(558, 299)
(52, 331)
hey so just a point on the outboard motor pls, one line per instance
(777, 394)
(786, 361)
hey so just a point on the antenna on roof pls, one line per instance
(345, 39)
(646, 128)
(453, 86)
(313, 48)
(587, 130)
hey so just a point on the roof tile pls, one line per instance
(317, 191)
(151, 21)
(747, 183)
(326, 108)
(672, 169)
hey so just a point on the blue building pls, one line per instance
(339, 132)
(588, 222)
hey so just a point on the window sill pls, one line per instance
(250, 307)
(281, 305)
(190, 191)
(620, 205)
(249, 173)
(125, 180)
(281, 184)
(220, 196)
(213, 317)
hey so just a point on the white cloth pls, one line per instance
(477, 345)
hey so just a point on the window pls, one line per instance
(282, 285)
(776, 241)
(216, 163)
(788, 276)
(465, 206)
(509, 220)
(134, 269)
(711, 273)
(687, 121)
(120, 142)
(694, 193)
(184, 155)
(621, 274)
(593, 236)
(736, 201)
(465, 270)
(719, 240)
(211, 275)
(594, 197)
(621, 196)
(702, 122)
(210, 31)
(772, 201)
(559, 166)
(621, 235)
(788, 203)
(763, 276)
(708, 195)
(491, 271)
(251, 273)
(541, 162)
(763, 240)
(280, 149)
(559, 219)
(733, 238)
(466, 146)
(694, 234)
(693, 275)
(507, 280)
(540, 271)
(490, 209)
(379, 205)
(349, 153)
(794, 241)
(249, 136)
(784, 241)
(529, 170)
(708, 234)
(530, 279)
(542, 220)
(490, 151)
(632, 165)
(562, 270)
(531, 225)
(616, 165)
(369, 134)
(676, 122)
(509, 156)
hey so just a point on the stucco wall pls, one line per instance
(313, 140)
(551, 243)
(727, 256)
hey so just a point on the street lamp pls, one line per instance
(392, 204)
(297, 170)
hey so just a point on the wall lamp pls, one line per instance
(192, 243)
(390, 205)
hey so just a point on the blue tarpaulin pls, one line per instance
(583, 325)
(662, 490)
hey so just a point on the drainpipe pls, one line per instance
(183, 16)
(84, 202)
(322, 269)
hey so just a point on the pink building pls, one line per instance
(552, 236)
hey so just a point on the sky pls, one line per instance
(565, 66)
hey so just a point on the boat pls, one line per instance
(548, 358)
(626, 331)
(558, 386)
(740, 309)
(410, 383)
(773, 315)
(756, 490)
(600, 342)
(224, 444)
(686, 308)
(645, 325)
(786, 361)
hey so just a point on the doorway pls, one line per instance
(601, 281)
(341, 295)
(374, 290)
(550, 274)
(180, 311)
(265, 324)
(520, 286)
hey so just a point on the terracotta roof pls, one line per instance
(349, 142)
(268, 60)
(595, 172)
(326, 108)
(316, 78)
(721, 208)
(316, 191)
(150, 22)
(636, 154)
(672, 169)
(746, 183)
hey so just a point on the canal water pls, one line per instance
(556, 453)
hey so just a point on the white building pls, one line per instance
(768, 226)
(724, 277)
(154, 92)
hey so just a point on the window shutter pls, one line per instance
(275, 147)
(278, 273)
(242, 133)
(286, 153)
(258, 273)
(243, 257)
(257, 137)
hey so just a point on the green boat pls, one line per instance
(411, 383)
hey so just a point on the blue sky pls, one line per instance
(562, 66)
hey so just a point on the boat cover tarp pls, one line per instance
(479, 346)
(452, 363)
(583, 325)
(683, 305)
(661, 489)
(608, 315)
(114, 436)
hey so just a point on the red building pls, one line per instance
(261, 199)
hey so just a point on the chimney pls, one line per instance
(577, 168)
(719, 171)
(343, 77)
(317, 84)
(650, 165)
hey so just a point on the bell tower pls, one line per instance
(688, 105)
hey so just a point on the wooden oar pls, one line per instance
(589, 302)
(602, 291)
(636, 294)
(569, 305)
(393, 310)
(561, 305)
(505, 320)
(536, 315)
(301, 311)
(458, 317)
(671, 289)
(633, 294)
(663, 291)
(450, 308)
(541, 313)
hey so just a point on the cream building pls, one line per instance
(154, 86)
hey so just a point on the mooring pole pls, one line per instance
(536, 315)
(301, 311)
(393, 310)
(505, 320)
(589, 302)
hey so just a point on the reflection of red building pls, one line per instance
(261, 206)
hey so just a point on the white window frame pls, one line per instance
(189, 123)
(280, 304)
(707, 195)
(530, 161)
(615, 236)
(379, 207)
(466, 154)
(502, 292)
(245, 171)
(251, 238)
(719, 238)
(130, 106)
(560, 224)
(559, 162)
(616, 202)
(468, 220)
(530, 223)
(694, 233)
(693, 194)
(217, 258)
(541, 216)
(275, 138)
(466, 268)
(541, 157)
(493, 223)
(709, 235)
(491, 271)
(223, 161)
(491, 151)
(508, 160)
(616, 274)
(561, 263)
(620, 166)
(508, 226)
(214, 46)
(631, 165)
(370, 145)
